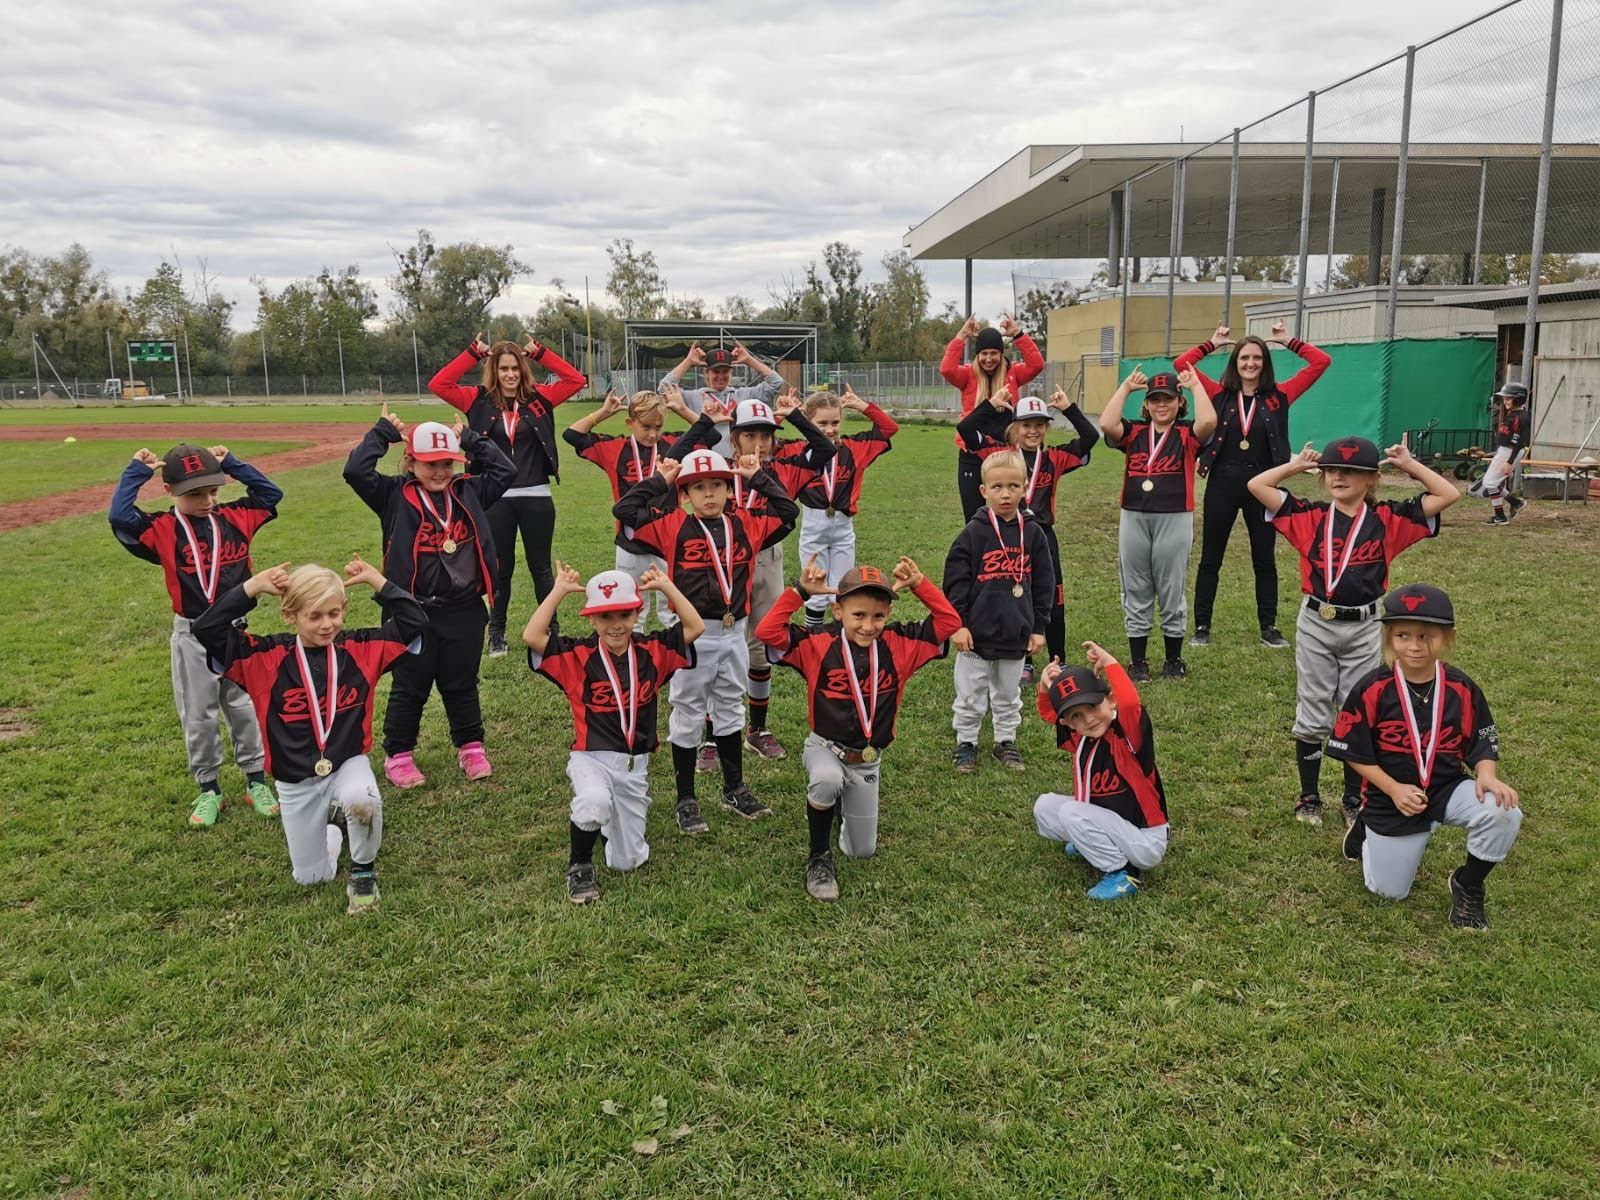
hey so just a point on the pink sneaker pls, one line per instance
(474, 761)
(402, 772)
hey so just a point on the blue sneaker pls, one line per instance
(1114, 885)
(1070, 851)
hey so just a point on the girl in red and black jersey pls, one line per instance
(1412, 729)
(1252, 435)
(1346, 545)
(1116, 816)
(518, 416)
(434, 546)
(988, 372)
(1156, 530)
(1023, 425)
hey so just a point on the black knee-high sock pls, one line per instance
(1308, 757)
(815, 617)
(760, 682)
(1472, 875)
(1352, 781)
(583, 841)
(708, 734)
(820, 822)
(730, 749)
(1174, 646)
(683, 769)
(1138, 648)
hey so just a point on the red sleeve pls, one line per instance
(945, 618)
(1404, 524)
(1316, 363)
(1191, 358)
(1128, 704)
(568, 382)
(603, 452)
(1032, 363)
(882, 421)
(955, 372)
(1045, 710)
(444, 385)
(793, 475)
(374, 654)
(667, 650)
(245, 516)
(658, 533)
(1297, 520)
(774, 627)
(561, 664)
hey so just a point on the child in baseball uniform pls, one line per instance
(612, 679)
(627, 461)
(1346, 544)
(437, 546)
(1023, 425)
(1411, 729)
(1510, 443)
(830, 501)
(313, 691)
(1156, 530)
(999, 579)
(1116, 817)
(856, 670)
(710, 550)
(203, 548)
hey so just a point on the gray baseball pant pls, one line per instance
(306, 806)
(199, 694)
(1153, 559)
(1106, 841)
(609, 796)
(983, 684)
(832, 541)
(854, 788)
(1329, 656)
(1389, 863)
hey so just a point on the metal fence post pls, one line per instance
(1127, 255)
(339, 338)
(416, 361)
(1477, 237)
(1305, 214)
(266, 376)
(1530, 324)
(1174, 247)
(1233, 223)
(1333, 220)
(1400, 194)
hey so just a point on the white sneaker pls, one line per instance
(335, 844)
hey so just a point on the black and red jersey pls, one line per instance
(269, 670)
(222, 539)
(983, 433)
(838, 484)
(1387, 528)
(1167, 463)
(626, 464)
(819, 656)
(1372, 728)
(796, 463)
(599, 713)
(651, 517)
(524, 433)
(1511, 429)
(981, 574)
(417, 524)
(1119, 766)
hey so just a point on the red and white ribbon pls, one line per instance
(640, 473)
(724, 573)
(1423, 756)
(1083, 767)
(321, 723)
(1155, 447)
(1349, 548)
(1033, 477)
(867, 716)
(206, 579)
(511, 418)
(444, 523)
(1247, 416)
(630, 722)
(1022, 538)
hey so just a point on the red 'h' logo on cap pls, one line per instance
(761, 410)
(1067, 686)
(441, 441)
(871, 575)
(1412, 600)
(606, 589)
(193, 464)
(1347, 450)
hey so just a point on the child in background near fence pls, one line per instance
(998, 578)
(611, 679)
(435, 547)
(1156, 530)
(626, 462)
(313, 691)
(830, 501)
(1023, 425)
(856, 671)
(204, 549)
(1116, 817)
(1346, 545)
(1411, 783)
(1510, 442)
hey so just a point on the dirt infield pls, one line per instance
(327, 442)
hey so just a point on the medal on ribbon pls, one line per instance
(206, 579)
(1022, 541)
(1422, 756)
(322, 710)
(448, 545)
(864, 714)
(1156, 447)
(1329, 576)
(627, 719)
(724, 573)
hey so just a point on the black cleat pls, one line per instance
(1466, 908)
(581, 887)
(1139, 671)
(1272, 638)
(965, 758)
(1174, 668)
(1354, 837)
(1202, 636)
(1308, 810)
(1498, 518)
(689, 818)
(1007, 755)
(822, 883)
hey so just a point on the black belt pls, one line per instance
(1341, 612)
(855, 758)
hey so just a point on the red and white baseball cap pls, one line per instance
(703, 464)
(754, 414)
(433, 442)
(610, 591)
(1031, 408)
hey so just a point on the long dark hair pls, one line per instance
(1266, 385)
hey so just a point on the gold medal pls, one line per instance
(1016, 591)
(1149, 485)
(323, 767)
(831, 511)
(1244, 443)
(870, 754)
(448, 545)
(1327, 612)
(727, 620)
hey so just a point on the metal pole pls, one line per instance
(1305, 215)
(1233, 223)
(227, 382)
(38, 385)
(188, 360)
(266, 376)
(1333, 220)
(588, 331)
(177, 370)
(416, 363)
(1127, 254)
(339, 341)
(1477, 238)
(1179, 171)
(967, 311)
(111, 362)
(1530, 325)
(1114, 242)
(1400, 195)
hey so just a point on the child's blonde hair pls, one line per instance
(309, 587)
(1004, 458)
(1447, 641)
(818, 401)
(642, 404)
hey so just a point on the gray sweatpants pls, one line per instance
(1329, 656)
(1389, 864)
(1153, 557)
(766, 585)
(983, 684)
(199, 695)
(831, 781)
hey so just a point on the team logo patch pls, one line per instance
(1413, 600)
(1347, 451)
(871, 575)
(606, 589)
(1343, 724)
(193, 464)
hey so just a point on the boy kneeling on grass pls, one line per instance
(313, 691)
(612, 679)
(856, 669)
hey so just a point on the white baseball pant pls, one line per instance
(713, 687)
(832, 542)
(987, 685)
(1498, 474)
(305, 807)
(1106, 841)
(200, 694)
(1389, 863)
(635, 565)
(609, 796)
(831, 781)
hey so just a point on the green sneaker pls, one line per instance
(262, 798)
(361, 894)
(206, 807)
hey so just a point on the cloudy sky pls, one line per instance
(733, 140)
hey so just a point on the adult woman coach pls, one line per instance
(980, 379)
(1252, 435)
(518, 416)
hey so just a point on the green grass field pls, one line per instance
(178, 1018)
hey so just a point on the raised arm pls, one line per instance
(361, 468)
(568, 381)
(1205, 415)
(585, 424)
(489, 463)
(446, 384)
(1191, 357)
(1265, 487)
(1111, 415)
(567, 582)
(1441, 492)
(1316, 361)
(127, 521)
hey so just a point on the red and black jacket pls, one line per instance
(1122, 762)
(1269, 425)
(533, 449)
(855, 452)
(964, 376)
(983, 432)
(413, 555)
(576, 668)
(980, 573)
(268, 669)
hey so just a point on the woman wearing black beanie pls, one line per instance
(986, 374)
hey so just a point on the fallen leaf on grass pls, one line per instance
(678, 1134)
(647, 1145)
(609, 1107)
